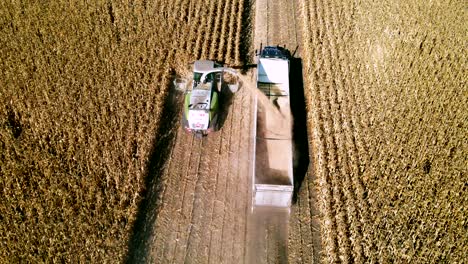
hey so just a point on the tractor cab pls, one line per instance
(275, 52)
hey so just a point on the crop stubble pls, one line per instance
(205, 185)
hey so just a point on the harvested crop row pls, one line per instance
(200, 212)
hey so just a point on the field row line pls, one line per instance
(326, 202)
(347, 153)
(210, 24)
(222, 48)
(171, 203)
(355, 143)
(204, 188)
(240, 14)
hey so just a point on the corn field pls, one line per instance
(387, 105)
(83, 86)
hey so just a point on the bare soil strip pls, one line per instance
(205, 202)
(205, 214)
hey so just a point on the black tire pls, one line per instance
(214, 124)
(184, 121)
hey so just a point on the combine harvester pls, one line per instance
(272, 180)
(201, 100)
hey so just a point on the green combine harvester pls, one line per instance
(201, 103)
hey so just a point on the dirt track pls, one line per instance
(205, 201)
(204, 214)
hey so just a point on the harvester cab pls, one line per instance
(201, 101)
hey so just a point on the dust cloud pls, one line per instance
(273, 162)
(279, 110)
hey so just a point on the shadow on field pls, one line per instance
(225, 102)
(245, 45)
(298, 111)
(138, 247)
(301, 150)
(143, 228)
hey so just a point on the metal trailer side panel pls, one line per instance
(273, 182)
(254, 141)
(273, 195)
(273, 71)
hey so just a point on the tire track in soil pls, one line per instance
(274, 23)
(226, 229)
(202, 253)
(301, 244)
(246, 167)
(190, 180)
(201, 199)
(218, 205)
(170, 204)
(241, 185)
(182, 211)
(221, 191)
(261, 23)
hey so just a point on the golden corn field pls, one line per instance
(94, 166)
(388, 104)
(82, 90)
